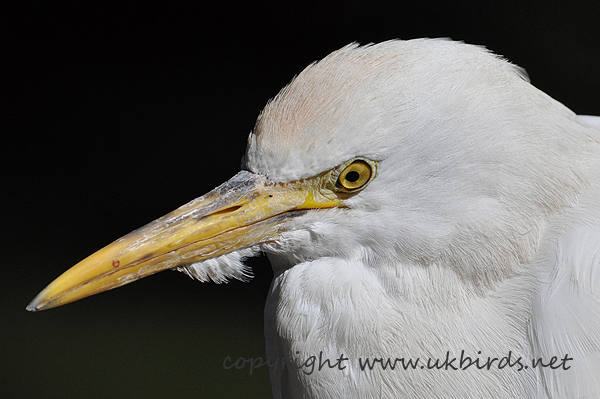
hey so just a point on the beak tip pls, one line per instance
(37, 304)
(32, 307)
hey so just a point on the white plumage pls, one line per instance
(479, 234)
(481, 231)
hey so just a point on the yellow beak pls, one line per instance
(240, 213)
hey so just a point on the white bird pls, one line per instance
(418, 200)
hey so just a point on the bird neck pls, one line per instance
(329, 308)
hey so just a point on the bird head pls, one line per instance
(413, 152)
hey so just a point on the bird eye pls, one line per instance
(355, 175)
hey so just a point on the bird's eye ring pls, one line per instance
(355, 175)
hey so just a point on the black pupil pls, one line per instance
(352, 176)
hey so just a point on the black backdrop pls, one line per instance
(115, 114)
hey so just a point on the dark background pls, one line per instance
(114, 114)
